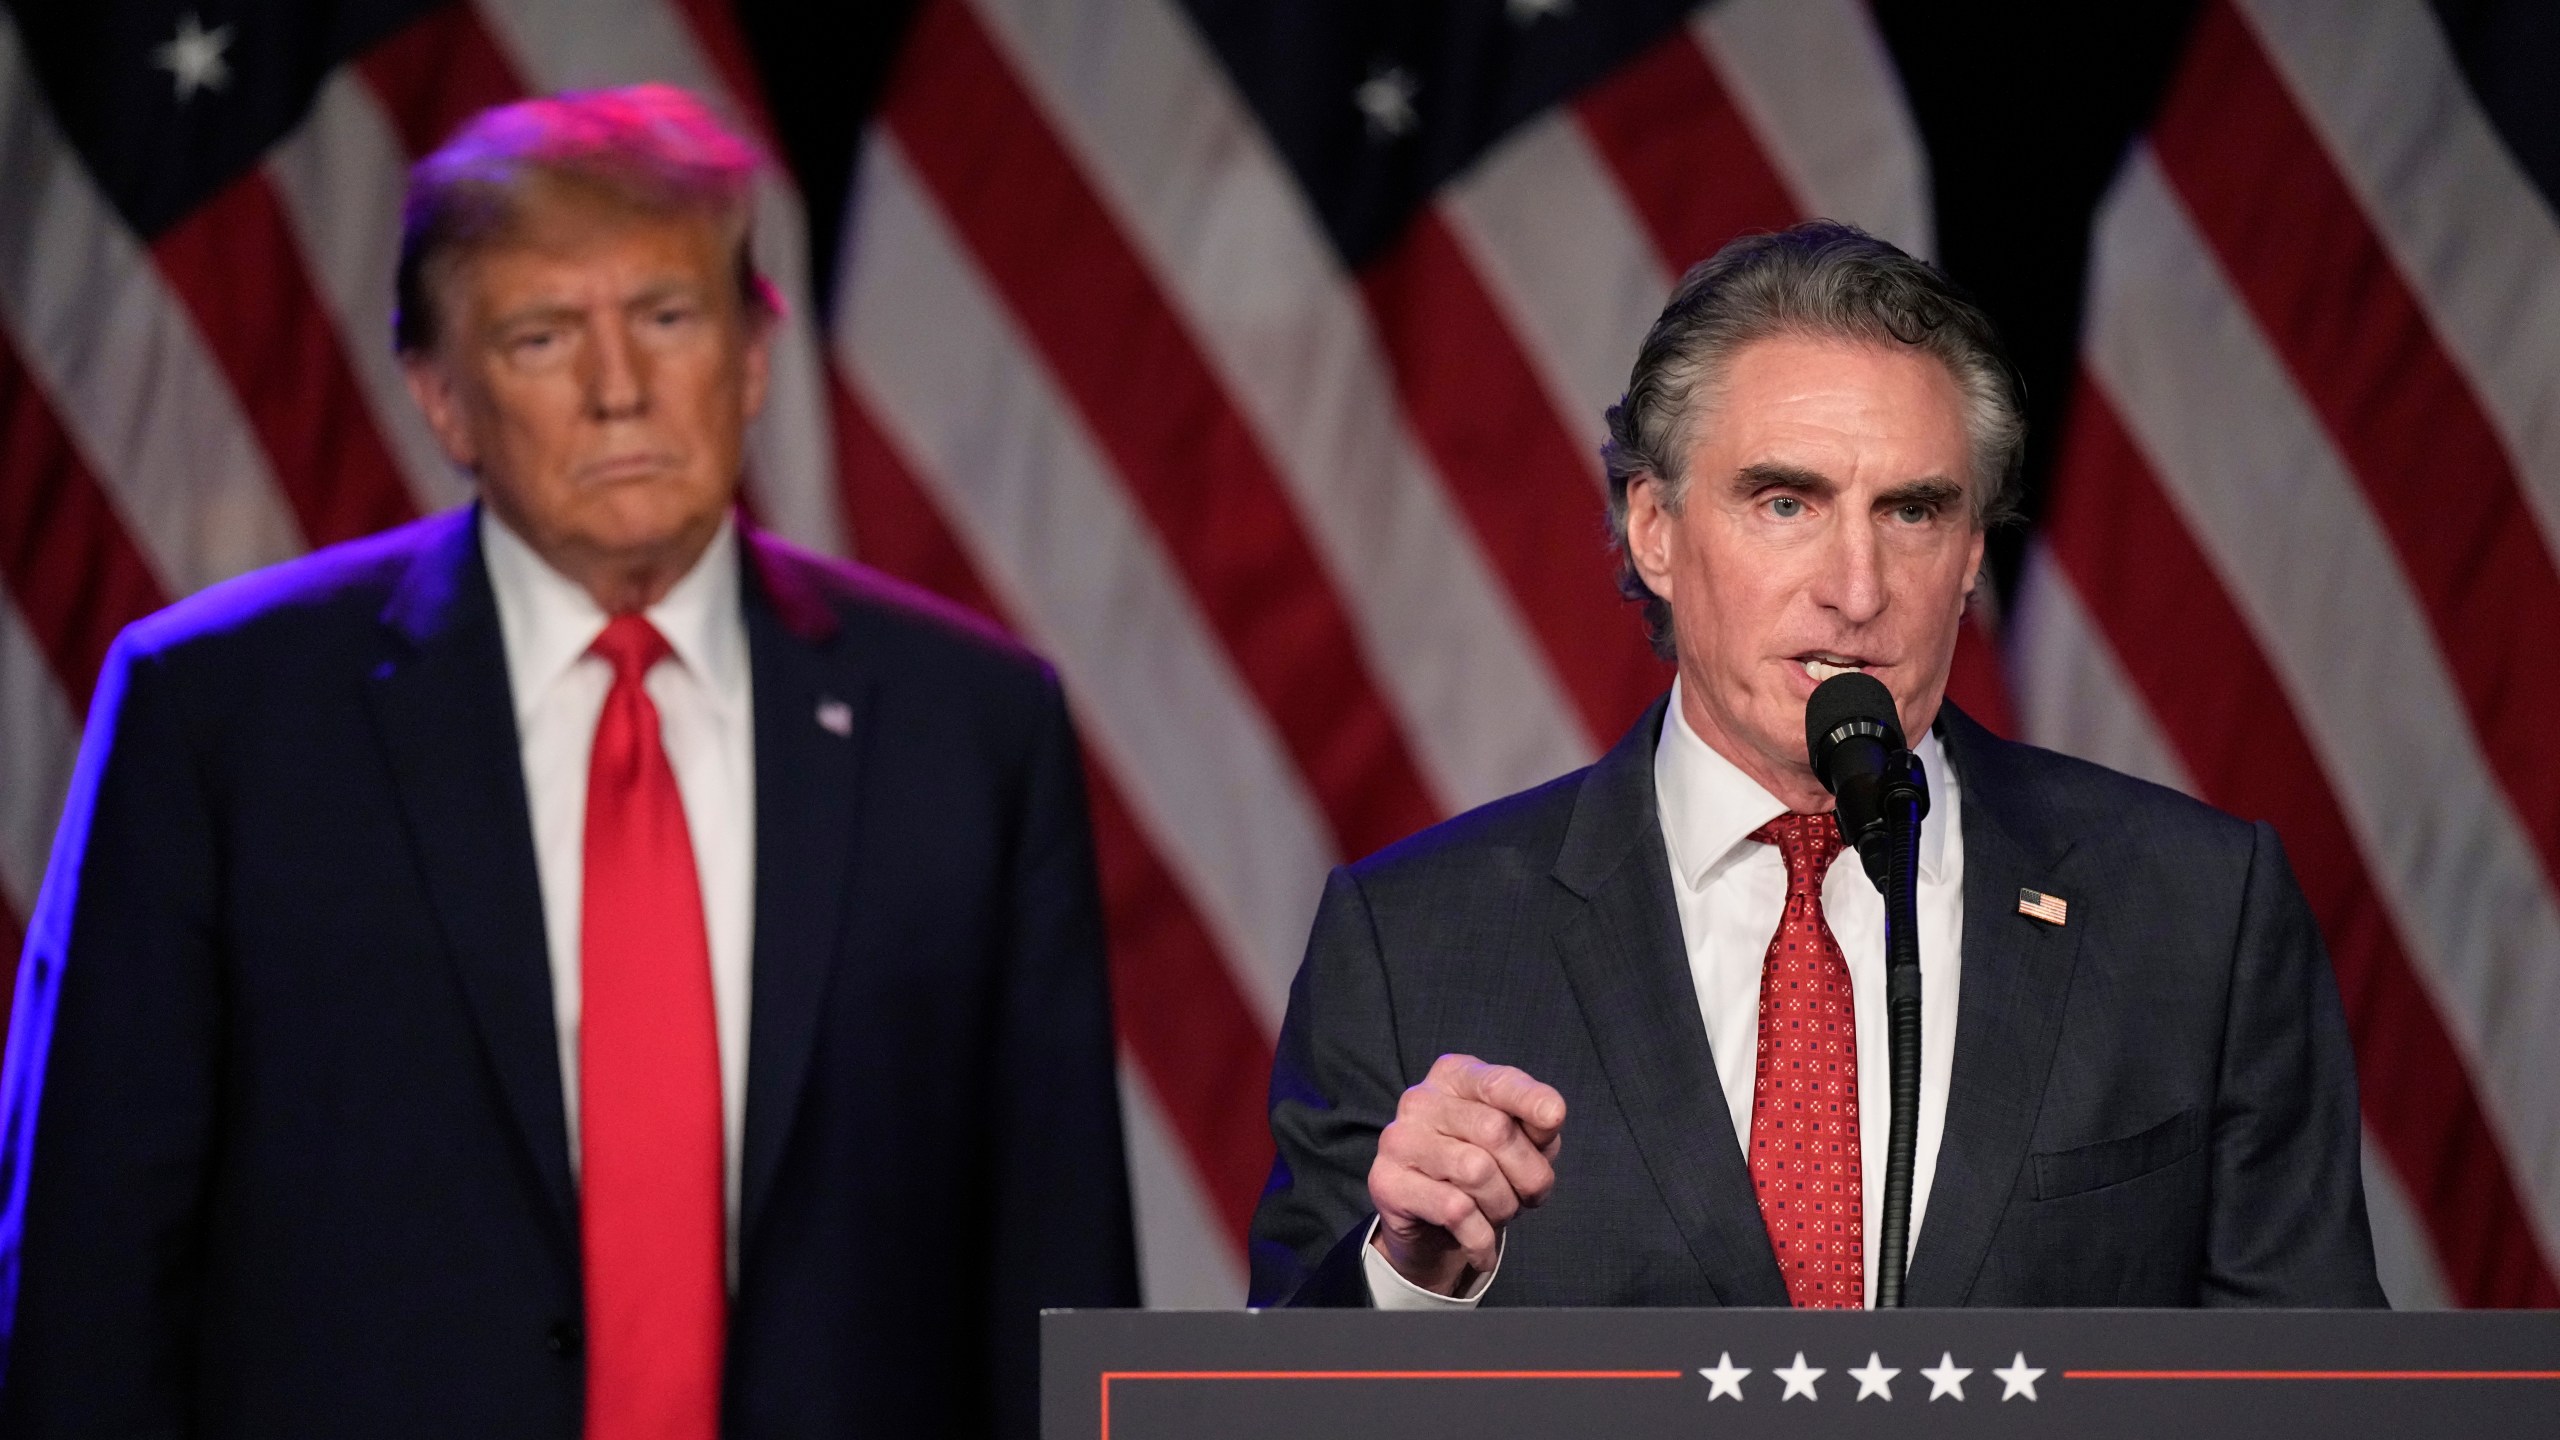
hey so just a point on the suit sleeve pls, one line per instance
(2288, 1220)
(1062, 1229)
(110, 1091)
(1335, 1081)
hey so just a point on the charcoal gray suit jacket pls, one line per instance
(2153, 1104)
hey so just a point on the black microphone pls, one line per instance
(1854, 739)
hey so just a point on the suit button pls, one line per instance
(564, 1339)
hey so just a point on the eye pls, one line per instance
(1786, 507)
(1916, 512)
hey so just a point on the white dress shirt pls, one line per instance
(1732, 892)
(705, 721)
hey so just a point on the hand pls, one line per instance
(1471, 1146)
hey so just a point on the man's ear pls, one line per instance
(758, 359)
(1649, 526)
(431, 385)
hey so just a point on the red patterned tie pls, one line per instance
(1804, 1094)
(650, 1182)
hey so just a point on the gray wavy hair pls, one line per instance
(1824, 280)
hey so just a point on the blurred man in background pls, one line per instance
(575, 964)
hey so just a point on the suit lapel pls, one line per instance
(448, 730)
(1623, 954)
(813, 708)
(2017, 974)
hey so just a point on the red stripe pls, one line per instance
(436, 72)
(75, 574)
(2191, 655)
(1180, 1013)
(237, 264)
(1974, 680)
(2359, 346)
(13, 939)
(1120, 351)
(1523, 483)
(1680, 149)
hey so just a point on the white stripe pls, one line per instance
(2402, 1253)
(1132, 92)
(2072, 693)
(1185, 1261)
(39, 739)
(1823, 96)
(2465, 225)
(563, 45)
(2267, 496)
(1027, 491)
(1568, 262)
(121, 362)
(341, 176)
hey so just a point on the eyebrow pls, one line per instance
(1772, 475)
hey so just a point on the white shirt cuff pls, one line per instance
(1391, 1291)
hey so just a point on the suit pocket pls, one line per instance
(2111, 1162)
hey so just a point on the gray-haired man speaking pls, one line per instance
(1619, 1040)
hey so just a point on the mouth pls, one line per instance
(1823, 664)
(616, 468)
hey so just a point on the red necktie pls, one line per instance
(650, 1183)
(1804, 1093)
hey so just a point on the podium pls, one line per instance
(1642, 1374)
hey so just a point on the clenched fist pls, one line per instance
(1471, 1146)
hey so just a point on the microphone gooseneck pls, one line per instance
(1854, 739)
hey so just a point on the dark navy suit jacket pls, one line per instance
(2152, 1105)
(285, 1150)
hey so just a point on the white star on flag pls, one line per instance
(1875, 1377)
(1726, 1379)
(1386, 97)
(2018, 1379)
(1946, 1377)
(1799, 1378)
(193, 57)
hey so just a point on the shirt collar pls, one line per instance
(1710, 807)
(547, 621)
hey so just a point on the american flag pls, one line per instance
(1248, 360)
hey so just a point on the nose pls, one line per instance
(1850, 581)
(617, 373)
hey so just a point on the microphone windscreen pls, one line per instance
(1837, 704)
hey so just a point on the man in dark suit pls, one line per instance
(2136, 1086)
(576, 964)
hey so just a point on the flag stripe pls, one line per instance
(1663, 123)
(235, 262)
(74, 573)
(43, 734)
(2161, 604)
(1191, 177)
(2296, 246)
(1566, 260)
(1185, 456)
(436, 72)
(1822, 98)
(2245, 458)
(1528, 490)
(2444, 194)
(930, 355)
(1186, 1260)
(128, 377)
(1191, 1032)
(339, 177)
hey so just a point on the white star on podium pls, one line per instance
(1726, 1378)
(1875, 1377)
(1799, 1378)
(1946, 1377)
(2018, 1378)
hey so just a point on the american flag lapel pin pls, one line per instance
(835, 717)
(2051, 909)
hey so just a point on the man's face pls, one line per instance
(1827, 523)
(596, 370)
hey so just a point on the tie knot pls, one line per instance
(1808, 843)
(631, 645)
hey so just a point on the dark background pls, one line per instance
(2025, 110)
